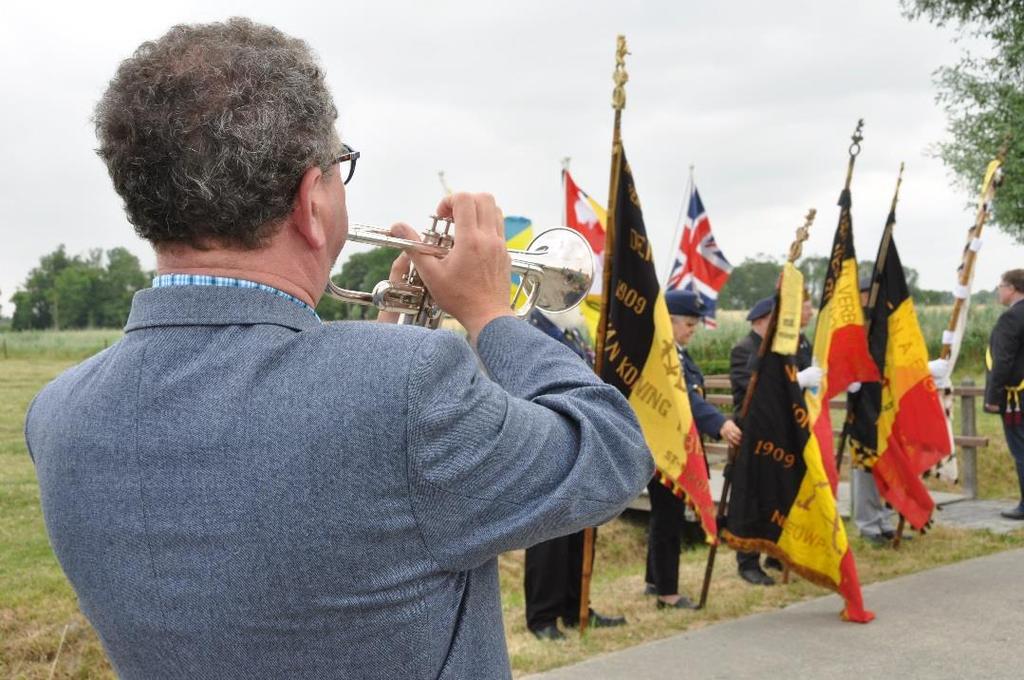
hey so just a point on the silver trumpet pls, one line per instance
(555, 273)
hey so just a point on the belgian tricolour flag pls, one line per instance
(840, 343)
(639, 353)
(782, 502)
(898, 427)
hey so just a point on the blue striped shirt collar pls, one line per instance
(166, 280)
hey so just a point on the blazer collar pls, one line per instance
(215, 306)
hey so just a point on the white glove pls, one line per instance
(853, 387)
(939, 368)
(809, 377)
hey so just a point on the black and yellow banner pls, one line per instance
(640, 356)
(782, 502)
(840, 344)
(898, 427)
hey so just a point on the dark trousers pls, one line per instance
(552, 580)
(664, 538)
(748, 560)
(1015, 441)
(667, 530)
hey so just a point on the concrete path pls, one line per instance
(964, 620)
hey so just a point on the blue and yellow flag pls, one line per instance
(518, 234)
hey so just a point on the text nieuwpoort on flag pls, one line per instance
(699, 263)
(640, 356)
(782, 502)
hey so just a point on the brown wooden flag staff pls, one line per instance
(619, 77)
(795, 251)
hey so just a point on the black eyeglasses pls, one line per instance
(349, 156)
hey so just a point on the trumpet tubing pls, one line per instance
(556, 271)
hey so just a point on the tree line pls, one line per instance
(755, 278)
(95, 290)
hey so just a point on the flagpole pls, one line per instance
(795, 250)
(988, 193)
(444, 184)
(883, 253)
(564, 209)
(679, 227)
(854, 151)
(880, 259)
(620, 77)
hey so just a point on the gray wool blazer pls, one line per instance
(236, 490)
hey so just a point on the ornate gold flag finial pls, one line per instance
(620, 77)
(802, 234)
(857, 137)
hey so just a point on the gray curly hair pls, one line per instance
(207, 131)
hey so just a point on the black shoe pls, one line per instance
(596, 620)
(755, 576)
(649, 589)
(890, 535)
(548, 632)
(772, 563)
(1016, 513)
(875, 540)
(682, 603)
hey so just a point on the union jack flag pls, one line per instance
(699, 263)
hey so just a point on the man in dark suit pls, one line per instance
(1004, 385)
(237, 490)
(668, 512)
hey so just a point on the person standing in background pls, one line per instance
(668, 511)
(1004, 383)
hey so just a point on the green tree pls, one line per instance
(362, 272)
(33, 306)
(749, 282)
(78, 292)
(983, 297)
(983, 97)
(814, 269)
(121, 278)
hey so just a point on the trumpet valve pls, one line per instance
(403, 298)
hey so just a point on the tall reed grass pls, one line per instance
(710, 348)
(73, 345)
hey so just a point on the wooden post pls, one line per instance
(969, 454)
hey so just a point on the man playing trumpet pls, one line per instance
(236, 490)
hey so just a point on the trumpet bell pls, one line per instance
(558, 269)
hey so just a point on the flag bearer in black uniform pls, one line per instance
(742, 362)
(668, 512)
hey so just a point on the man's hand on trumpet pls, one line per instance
(472, 282)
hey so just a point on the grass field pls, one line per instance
(37, 605)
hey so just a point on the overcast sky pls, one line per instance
(761, 97)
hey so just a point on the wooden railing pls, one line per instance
(718, 393)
